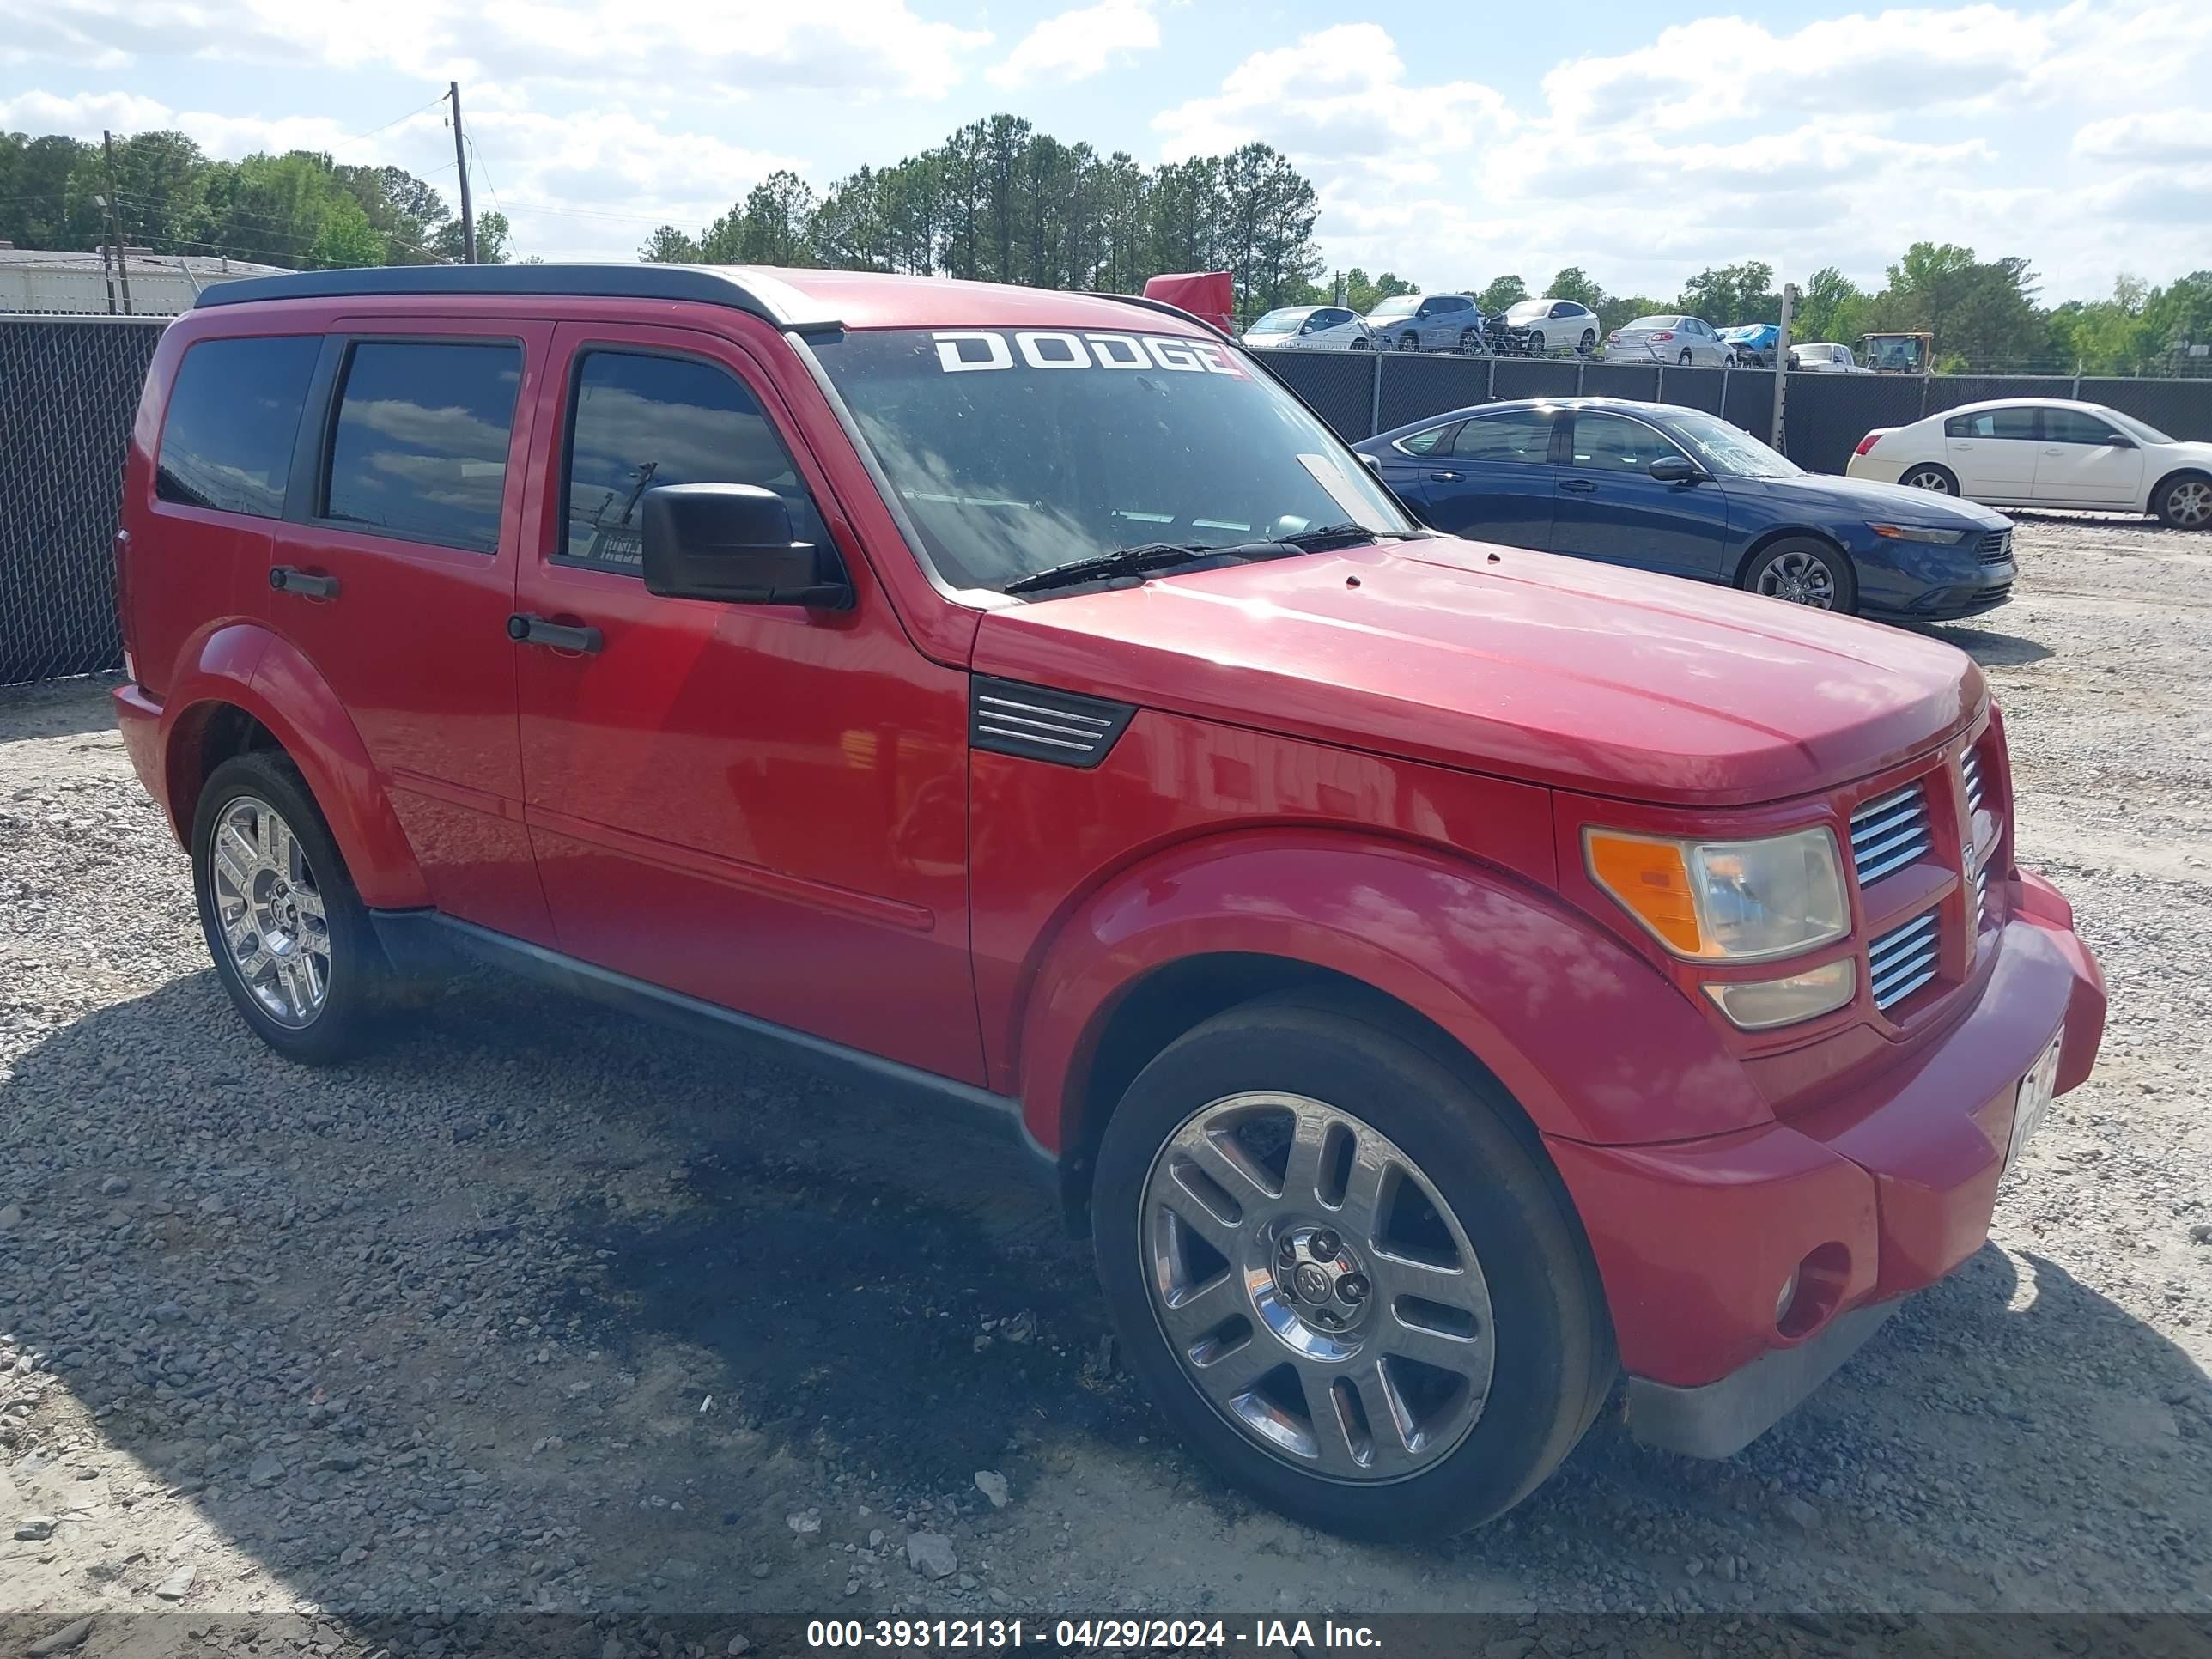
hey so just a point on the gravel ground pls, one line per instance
(544, 1308)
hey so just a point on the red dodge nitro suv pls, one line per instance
(1443, 978)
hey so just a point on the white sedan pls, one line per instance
(1310, 328)
(2046, 452)
(1826, 357)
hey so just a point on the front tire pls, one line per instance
(1469, 338)
(1800, 570)
(2185, 502)
(290, 937)
(1409, 343)
(1343, 1270)
(1536, 343)
(1936, 480)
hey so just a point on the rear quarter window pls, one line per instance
(234, 413)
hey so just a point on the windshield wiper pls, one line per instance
(1121, 562)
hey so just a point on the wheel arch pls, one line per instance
(1767, 539)
(2172, 477)
(1470, 964)
(248, 690)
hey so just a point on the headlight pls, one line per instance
(1920, 532)
(1737, 901)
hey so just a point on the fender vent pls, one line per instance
(1006, 717)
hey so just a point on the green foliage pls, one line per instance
(1728, 295)
(1828, 308)
(1363, 294)
(1574, 284)
(1502, 292)
(1626, 307)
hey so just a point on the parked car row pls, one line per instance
(1433, 323)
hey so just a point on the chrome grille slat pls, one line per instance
(1902, 960)
(1889, 832)
(1996, 547)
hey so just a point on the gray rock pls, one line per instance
(1800, 1513)
(62, 1640)
(932, 1555)
(178, 1585)
(265, 1470)
(993, 1485)
(114, 1186)
(11, 1215)
(31, 1528)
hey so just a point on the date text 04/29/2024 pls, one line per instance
(1087, 1635)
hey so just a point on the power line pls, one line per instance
(388, 125)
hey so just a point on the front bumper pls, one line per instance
(1866, 1197)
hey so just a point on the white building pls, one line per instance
(91, 284)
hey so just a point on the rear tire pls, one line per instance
(1536, 343)
(1468, 1178)
(1468, 339)
(1409, 343)
(1803, 570)
(2185, 501)
(1936, 480)
(290, 938)
(1685, 358)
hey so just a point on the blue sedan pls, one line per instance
(1677, 490)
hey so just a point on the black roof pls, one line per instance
(762, 293)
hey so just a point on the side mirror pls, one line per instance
(732, 542)
(1675, 469)
(2121, 440)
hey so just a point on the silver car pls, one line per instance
(1427, 322)
(1668, 339)
(1826, 356)
(1309, 328)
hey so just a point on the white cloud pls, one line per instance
(865, 48)
(2183, 135)
(1078, 44)
(1338, 94)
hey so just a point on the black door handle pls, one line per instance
(1445, 477)
(536, 630)
(1580, 486)
(289, 579)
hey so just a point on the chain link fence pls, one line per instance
(69, 387)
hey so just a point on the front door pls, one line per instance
(1610, 506)
(762, 806)
(2087, 461)
(393, 575)
(1991, 453)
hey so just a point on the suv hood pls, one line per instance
(1526, 665)
(1883, 502)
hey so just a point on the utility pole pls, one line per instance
(1782, 360)
(115, 219)
(461, 161)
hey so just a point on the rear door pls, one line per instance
(394, 573)
(1609, 507)
(1992, 453)
(1492, 481)
(2087, 461)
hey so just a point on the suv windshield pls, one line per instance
(1404, 305)
(1729, 452)
(1015, 452)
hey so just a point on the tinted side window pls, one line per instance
(1523, 437)
(1617, 445)
(419, 448)
(1428, 443)
(642, 421)
(234, 413)
(1993, 424)
(2070, 426)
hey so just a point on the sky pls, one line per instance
(1451, 142)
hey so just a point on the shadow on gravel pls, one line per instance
(1989, 647)
(58, 709)
(401, 1332)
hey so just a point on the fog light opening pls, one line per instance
(1813, 1291)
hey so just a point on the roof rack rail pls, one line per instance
(760, 293)
(1150, 304)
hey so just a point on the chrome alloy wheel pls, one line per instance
(271, 911)
(1928, 478)
(2189, 504)
(1316, 1288)
(1801, 579)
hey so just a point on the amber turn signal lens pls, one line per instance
(1650, 879)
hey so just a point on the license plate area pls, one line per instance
(2032, 1103)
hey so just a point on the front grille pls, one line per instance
(1889, 833)
(1902, 960)
(1981, 892)
(1997, 547)
(1970, 774)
